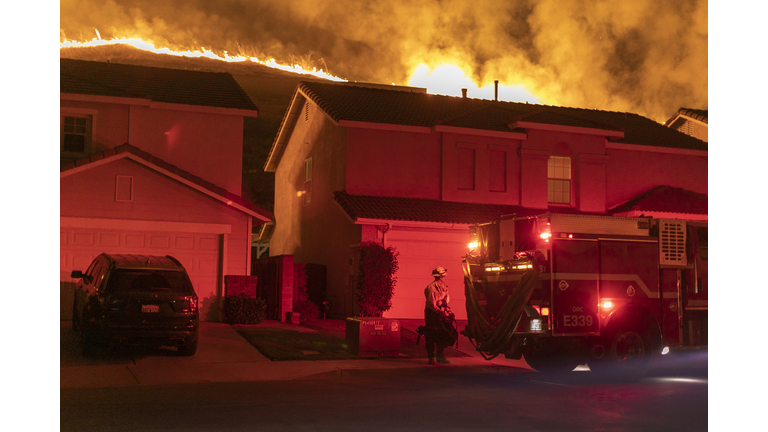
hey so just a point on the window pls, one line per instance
(76, 134)
(559, 180)
(307, 181)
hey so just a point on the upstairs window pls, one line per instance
(307, 181)
(559, 180)
(76, 134)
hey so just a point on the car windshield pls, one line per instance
(127, 280)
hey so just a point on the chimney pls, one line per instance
(464, 93)
(495, 90)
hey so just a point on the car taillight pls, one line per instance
(193, 304)
(116, 304)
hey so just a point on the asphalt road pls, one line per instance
(672, 399)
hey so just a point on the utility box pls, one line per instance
(373, 337)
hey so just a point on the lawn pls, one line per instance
(279, 344)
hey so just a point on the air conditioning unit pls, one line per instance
(672, 242)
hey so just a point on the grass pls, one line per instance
(280, 344)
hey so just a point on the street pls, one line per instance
(672, 398)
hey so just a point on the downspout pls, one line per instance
(383, 233)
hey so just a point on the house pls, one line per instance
(357, 162)
(691, 122)
(151, 163)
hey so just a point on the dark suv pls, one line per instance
(136, 299)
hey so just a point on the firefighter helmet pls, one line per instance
(440, 271)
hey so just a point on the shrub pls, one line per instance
(307, 309)
(240, 309)
(376, 278)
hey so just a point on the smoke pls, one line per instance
(643, 56)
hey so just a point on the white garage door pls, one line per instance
(419, 253)
(199, 253)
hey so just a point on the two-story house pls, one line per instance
(358, 162)
(152, 164)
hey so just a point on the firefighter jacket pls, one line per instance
(437, 295)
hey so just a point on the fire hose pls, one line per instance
(491, 337)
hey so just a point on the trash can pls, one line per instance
(373, 337)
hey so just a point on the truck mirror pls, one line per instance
(76, 274)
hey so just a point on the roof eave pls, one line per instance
(412, 224)
(662, 215)
(285, 132)
(564, 128)
(159, 105)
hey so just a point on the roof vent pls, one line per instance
(464, 93)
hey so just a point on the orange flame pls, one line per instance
(149, 46)
(446, 78)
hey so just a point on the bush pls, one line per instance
(376, 278)
(244, 310)
(307, 309)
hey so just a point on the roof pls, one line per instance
(427, 210)
(127, 150)
(348, 102)
(665, 199)
(696, 114)
(176, 86)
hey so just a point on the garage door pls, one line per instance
(419, 253)
(198, 252)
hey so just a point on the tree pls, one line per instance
(376, 278)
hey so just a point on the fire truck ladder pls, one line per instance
(492, 338)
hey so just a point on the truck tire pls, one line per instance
(627, 354)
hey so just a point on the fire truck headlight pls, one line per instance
(607, 305)
(473, 245)
(545, 235)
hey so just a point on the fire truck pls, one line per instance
(563, 290)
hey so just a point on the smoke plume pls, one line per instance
(643, 56)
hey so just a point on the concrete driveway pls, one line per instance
(225, 356)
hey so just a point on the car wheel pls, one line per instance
(189, 348)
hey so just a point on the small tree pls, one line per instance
(376, 278)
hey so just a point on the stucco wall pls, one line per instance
(207, 145)
(318, 232)
(393, 163)
(491, 157)
(630, 173)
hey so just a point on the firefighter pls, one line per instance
(437, 297)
